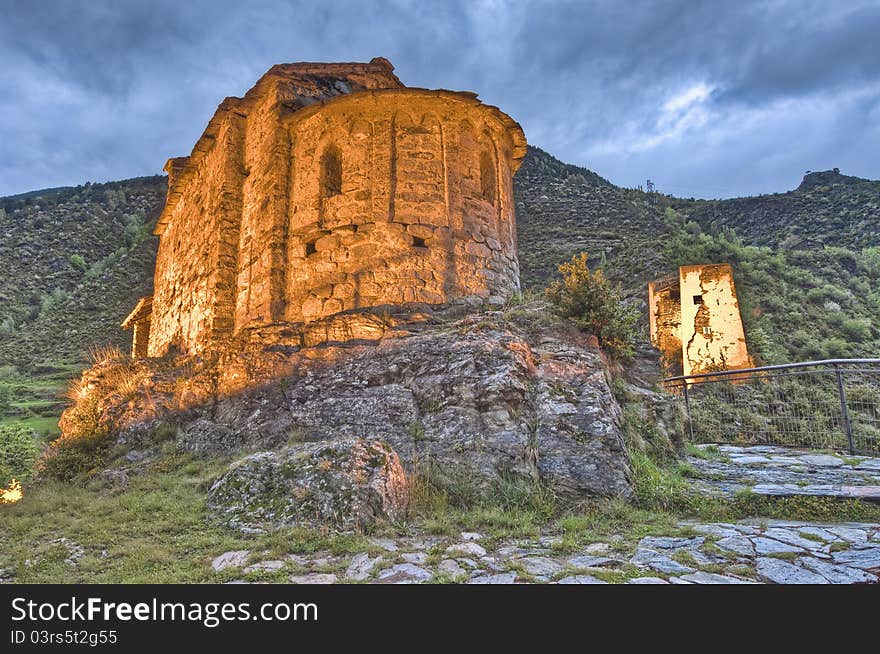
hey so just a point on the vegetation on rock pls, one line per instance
(595, 305)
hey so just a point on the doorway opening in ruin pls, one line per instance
(331, 172)
(419, 242)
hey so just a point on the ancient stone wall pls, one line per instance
(713, 337)
(665, 322)
(696, 323)
(329, 188)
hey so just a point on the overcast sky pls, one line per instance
(711, 99)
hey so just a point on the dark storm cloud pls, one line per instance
(707, 98)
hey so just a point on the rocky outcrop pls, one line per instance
(347, 484)
(469, 400)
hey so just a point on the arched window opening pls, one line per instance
(331, 172)
(488, 182)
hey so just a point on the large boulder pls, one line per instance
(514, 394)
(347, 484)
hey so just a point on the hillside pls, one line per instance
(806, 263)
(75, 259)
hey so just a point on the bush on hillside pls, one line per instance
(595, 305)
(18, 454)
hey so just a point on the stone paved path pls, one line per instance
(718, 553)
(781, 472)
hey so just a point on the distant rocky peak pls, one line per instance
(827, 178)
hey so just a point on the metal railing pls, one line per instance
(831, 404)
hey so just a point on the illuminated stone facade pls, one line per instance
(330, 188)
(696, 323)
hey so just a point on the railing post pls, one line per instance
(687, 404)
(844, 409)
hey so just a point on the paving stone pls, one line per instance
(419, 558)
(403, 573)
(748, 460)
(748, 530)
(587, 561)
(825, 535)
(468, 562)
(671, 543)
(850, 534)
(679, 581)
(313, 578)
(510, 551)
(737, 544)
(707, 558)
(837, 574)
(234, 559)
(422, 543)
(492, 563)
(647, 580)
(718, 531)
(580, 579)
(466, 549)
(864, 559)
(822, 460)
(361, 566)
(540, 566)
(598, 548)
(298, 559)
(471, 535)
(778, 571)
(505, 578)
(771, 546)
(712, 578)
(386, 544)
(791, 537)
(659, 562)
(265, 566)
(451, 568)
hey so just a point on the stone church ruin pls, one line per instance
(330, 188)
(695, 321)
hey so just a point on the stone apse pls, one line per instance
(695, 321)
(330, 188)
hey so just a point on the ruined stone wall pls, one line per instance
(298, 204)
(712, 333)
(665, 322)
(198, 249)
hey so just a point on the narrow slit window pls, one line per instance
(488, 181)
(331, 172)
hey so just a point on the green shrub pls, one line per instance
(70, 459)
(78, 262)
(588, 299)
(7, 326)
(18, 454)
